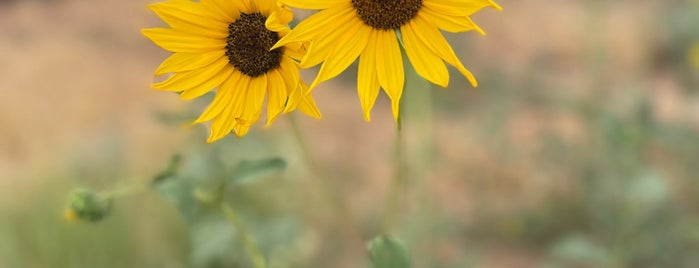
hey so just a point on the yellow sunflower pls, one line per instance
(345, 29)
(226, 45)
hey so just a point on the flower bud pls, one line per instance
(88, 206)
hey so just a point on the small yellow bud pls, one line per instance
(70, 215)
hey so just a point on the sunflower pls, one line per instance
(345, 29)
(225, 45)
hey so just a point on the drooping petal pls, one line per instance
(426, 63)
(177, 41)
(432, 38)
(389, 66)
(367, 80)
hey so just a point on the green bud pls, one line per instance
(88, 206)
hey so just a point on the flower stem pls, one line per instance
(397, 184)
(250, 246)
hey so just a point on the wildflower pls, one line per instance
(345, 29)
(226, 45)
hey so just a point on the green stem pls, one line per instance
(250, 246)
(398, 183)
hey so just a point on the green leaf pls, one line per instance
(249, 170)
(386, 252)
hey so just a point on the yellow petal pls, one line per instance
(308, 106)
(226, 121)
(341, 37)
(276, 98)
(314, 4)
(209, 84)
(343, 54)
(194, 21)
(222, 99)
(177, 41)
(189, 79)
(275, 22)
(316, 26)
(290, 73)
(181, 62)
(432, 38)
(227, 10)
(389, 66)
(296, 50)
(367, 80)
(451, 23)
(255, 99)
(459, 7)
(265, 7)
(191, 8)
(426, 63)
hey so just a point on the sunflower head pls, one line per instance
(375, 33)
(226, 46)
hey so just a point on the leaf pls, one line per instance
(386, 252)
(249, 170)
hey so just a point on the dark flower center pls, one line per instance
(386, 14)
(248, 44)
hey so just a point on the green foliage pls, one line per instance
(387, 252)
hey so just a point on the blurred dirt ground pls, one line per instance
(74, 83)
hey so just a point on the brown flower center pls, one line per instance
(386, 14)
(248, 44)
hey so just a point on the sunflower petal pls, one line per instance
(426, 63)
(341, 37)
(181, 62)
(189, 79)
(177, 41)
(316, 26)
(459, 7)
(276, 95)
(432, 38)
(343, 54)
(306, 103)
(389, 66)
(451, 23)
(209, 84)
(195, 21)
(225, 10)
(221, 100)
(314, 4)
(367, 81)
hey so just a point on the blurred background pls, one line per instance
(578, 149)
